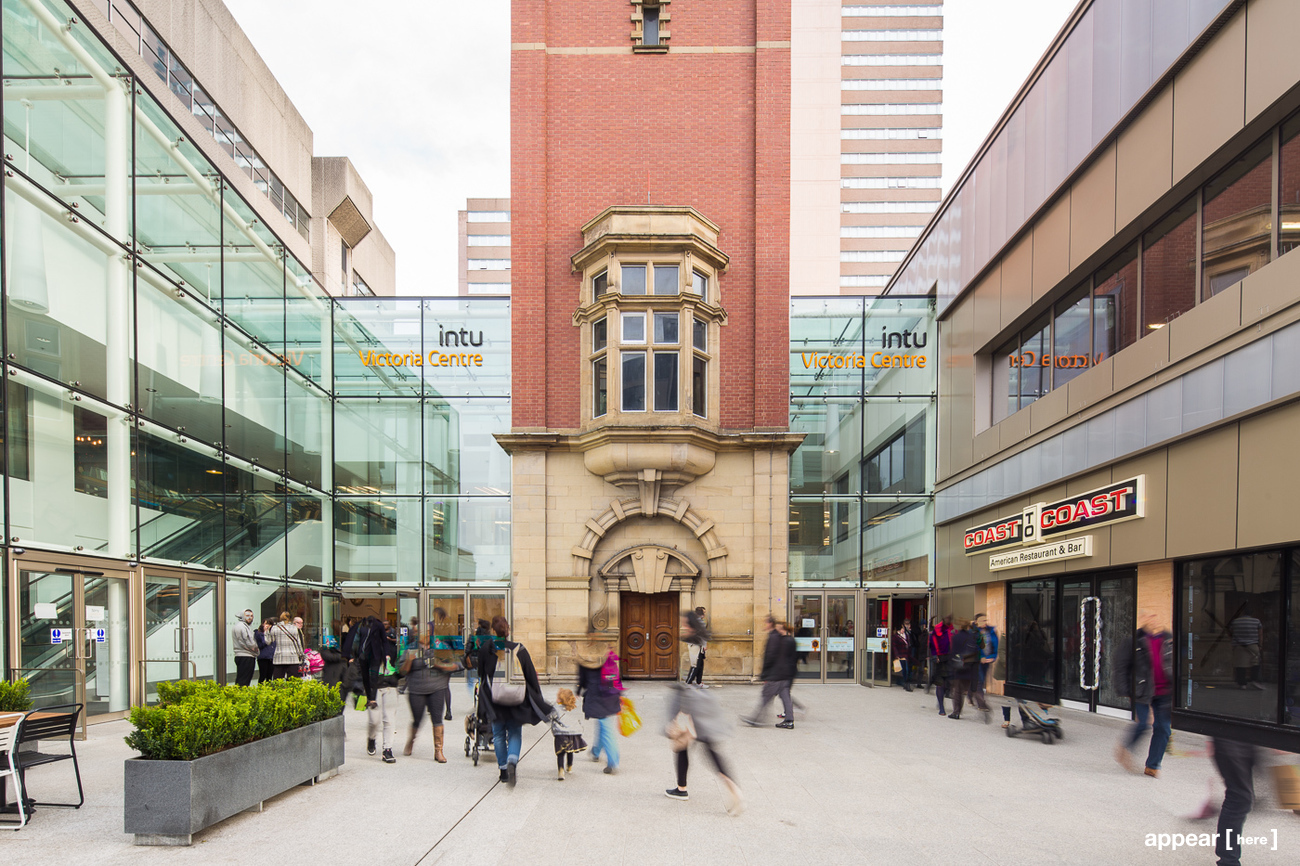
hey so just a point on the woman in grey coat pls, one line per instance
(695, 714)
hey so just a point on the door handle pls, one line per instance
(176, 640)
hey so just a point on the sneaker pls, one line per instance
(388, 757)
(732, 800)
(677, 794)
(504, 776)
(512, 773)
(611, 771)
(787, 725)
(954, 715)
(370, 746)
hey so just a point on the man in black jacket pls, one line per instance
(1144, 671)
(777, 675)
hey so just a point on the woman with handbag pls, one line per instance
(509, 706)
(695, 714)
(289, 655)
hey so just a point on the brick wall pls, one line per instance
(705, 129)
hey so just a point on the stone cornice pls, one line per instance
(717, 442)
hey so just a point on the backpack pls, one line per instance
(315, 664)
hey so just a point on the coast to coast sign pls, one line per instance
(1049, 521)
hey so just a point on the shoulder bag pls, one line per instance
(506, 694)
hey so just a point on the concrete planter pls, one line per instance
(167, 802)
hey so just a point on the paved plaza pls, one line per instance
(867, 776)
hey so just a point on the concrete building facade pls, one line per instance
(483, 247)
(1119, 334)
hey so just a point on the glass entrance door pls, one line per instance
(182, 639)
(73, 638)
(1097, 615)
(826, 635)
(807, 620)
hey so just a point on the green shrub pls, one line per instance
(15, 697)
(195, 718)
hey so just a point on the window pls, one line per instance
(665, 279)
(633, 381)
(599, 335)
(699, 394)
(600, 284)
(343, 260)
(633, 327)
(600, 374)
(488, 216)
(1169, 268)
(1114, 305)
(701, 335)
(893, 60)
(649, 25)
(1289, 183)
(632, 280)
(893, 108)
(666, 381)
(1237, 220)
(1071, 337)
(488, 240)
(666, 328)
(700, 285)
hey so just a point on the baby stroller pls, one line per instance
(478, 731)
(1034, 720)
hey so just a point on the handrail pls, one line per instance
(76, 672)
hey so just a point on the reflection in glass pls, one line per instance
(377, 446)
(1169, 268)
(377, 540)
(467, 539)
(1237, 220)
(1114, 305)
(1071, 337)
(632, 280)
(1289, 187)
(1031, 634)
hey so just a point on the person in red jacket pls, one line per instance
(940, 651)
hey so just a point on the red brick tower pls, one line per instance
(650, 244)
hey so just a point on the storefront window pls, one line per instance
(1230, 610)
(1031, 634)
(1291, 690)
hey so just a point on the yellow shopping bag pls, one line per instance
(628, 721)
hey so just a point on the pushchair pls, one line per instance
(478, 731)
(1035, 721)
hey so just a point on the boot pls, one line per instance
(410, 742)
(437, 744)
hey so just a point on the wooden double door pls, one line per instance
(649, 634)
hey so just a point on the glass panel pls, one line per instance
(45, 603)
(307, 538)
(600, 383)
(1289, 183)
(255, 524)
(1006, 382)
(378, 540)
(1077, 639)
(259, 596)
(1237, 220)
(1071, 337)
(467, 539)
(896, 539)
(1118, 623)
(162, 633)
(600, 283)
(700, 284)
(633, 327)
(633, 376)
(484, 466)
(107, 661)
(467, 347)
(666, 327)
(632, 280)
(64, 278)
(1114, 305)
(650, 25)
(181, 359)
(1034, 375)
(666, 381)
(824, 539)
(666, 279)
(67, 499)
(374, 340)
(1169, 268)
(823, 335)
(255, 402)
(599, 335)
(1291, 700)
(307, 324)
(483, 608)
(699, 387)
(377, 447)
(181, 496)
(1031, 634)
(807, 614)
(832, 446)
(1231, 607)
(442, 448)
(840, 637)
(700, 335)
(252, 274)
(310, 422)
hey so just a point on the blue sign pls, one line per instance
(57, 636)
(100, 636)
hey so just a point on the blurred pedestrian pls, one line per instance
(940, 651)
(509, 706)
(964, 669)
(1144, 671)
(428, 679)
(442, 637)
(901, 646)
(482, 633)
(695, 714)
(566, 729)
(245, 649)
(601, 690)
(289, 655)
(378, 655)
(779, 665)
(696, 673)
(332, 674)
(265, 651)
(1236, 763)
(988, 636)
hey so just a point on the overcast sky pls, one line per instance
(417, 95)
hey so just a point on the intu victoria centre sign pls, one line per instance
(1051, 522)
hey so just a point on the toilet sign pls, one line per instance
(59, 635)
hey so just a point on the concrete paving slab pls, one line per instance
(866, 776)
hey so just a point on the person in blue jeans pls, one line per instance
(508, 720)
(1144, 671)
(601, 690)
